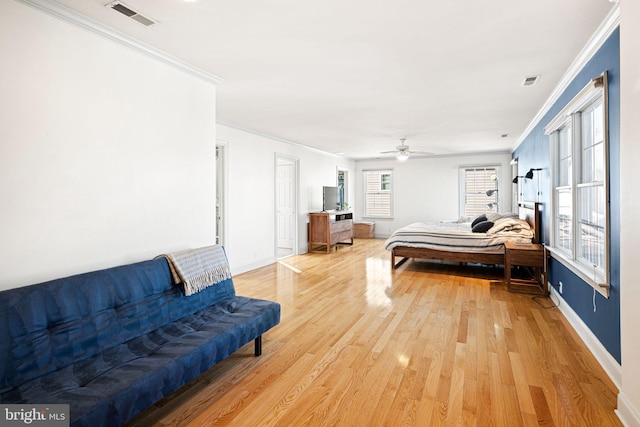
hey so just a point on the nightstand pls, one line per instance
(534, 280)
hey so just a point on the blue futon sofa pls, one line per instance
(112, 342)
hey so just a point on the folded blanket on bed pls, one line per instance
(513, 225)
(198, 268)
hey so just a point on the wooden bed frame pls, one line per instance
(529, 211)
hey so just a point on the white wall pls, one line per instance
(629, 397)
(251, 158)
(107, 156)
(428, 189)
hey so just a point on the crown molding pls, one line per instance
(474, 155)
(602, 33)
(316, 150)
(67, 14)
(369, 159)
(277, 138)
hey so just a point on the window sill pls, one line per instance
(581, 271)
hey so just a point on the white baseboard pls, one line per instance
(629, 416)
(252, 266)
(606, 360)
(627, 413)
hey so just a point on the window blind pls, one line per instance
(477, 182)
(378, 193)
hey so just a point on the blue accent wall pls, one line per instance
(603, 316)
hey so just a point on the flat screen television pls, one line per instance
(329, 198)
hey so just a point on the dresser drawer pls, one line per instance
(341, 236)
(339, 226)
(530, 258)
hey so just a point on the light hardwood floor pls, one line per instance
(360, 344)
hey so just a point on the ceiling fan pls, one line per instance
(402, 151)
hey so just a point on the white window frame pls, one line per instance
(571, 116)
(389, 191)
(494, 198)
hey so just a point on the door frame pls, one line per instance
(294, 197)
(221, 228)
(345, 185)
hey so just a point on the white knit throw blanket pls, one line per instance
(199, 268)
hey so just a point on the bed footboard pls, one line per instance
(395, 265)
(407, 252)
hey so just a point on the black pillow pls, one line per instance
(478, 219)
(482, 227)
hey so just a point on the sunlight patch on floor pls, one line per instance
(290, 267)
(378, 281)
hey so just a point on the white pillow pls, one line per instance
(509, 224)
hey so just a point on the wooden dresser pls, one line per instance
(327, 229)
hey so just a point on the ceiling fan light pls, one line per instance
(402, 156)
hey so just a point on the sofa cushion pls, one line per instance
(54, 324)
(113, 386)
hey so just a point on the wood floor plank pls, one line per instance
(428, 344)
(522, 385)
(456, 392)
(512, 406)
(469, 402)
(542, 407)
(496, 390)
(485, 409)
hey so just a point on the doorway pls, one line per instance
(220, 193)
(516, 193)
(343, 185)
(286, 206)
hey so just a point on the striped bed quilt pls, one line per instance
(458, 237)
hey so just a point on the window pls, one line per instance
(478, 190)
(378, 192)
(579, 178)
(563, 193)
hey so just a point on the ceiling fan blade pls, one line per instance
(404, 150)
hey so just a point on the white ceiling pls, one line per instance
(353, 77)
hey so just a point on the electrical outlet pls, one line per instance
(560, 287)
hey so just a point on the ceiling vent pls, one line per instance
(130, 13)
(530, 81)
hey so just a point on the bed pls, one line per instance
(454, 241)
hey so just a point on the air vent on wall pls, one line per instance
(530, 80)
(130, 13)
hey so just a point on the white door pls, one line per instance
(285, 206)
